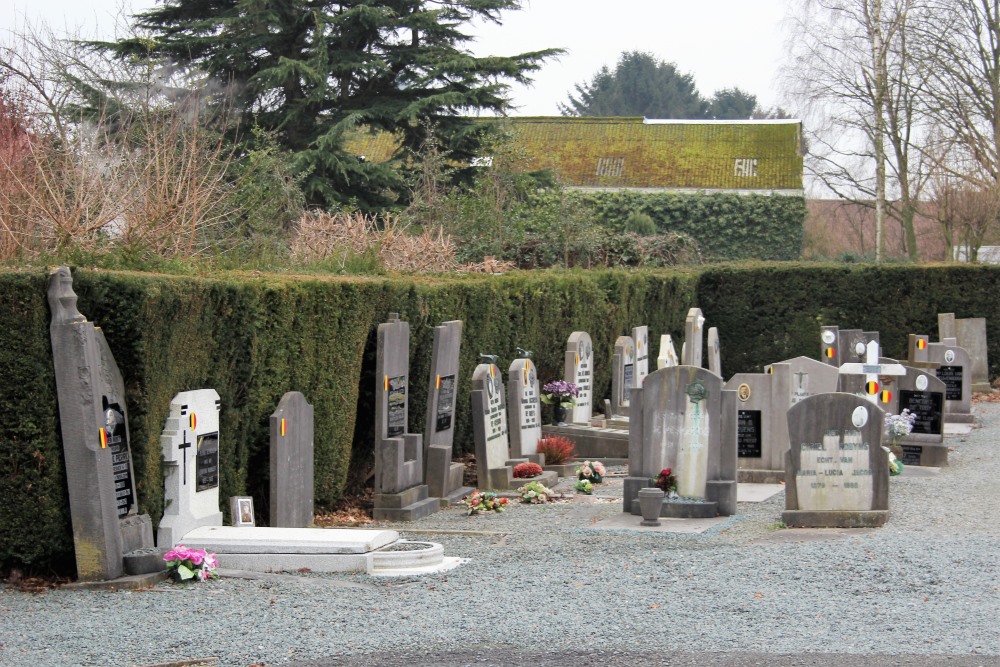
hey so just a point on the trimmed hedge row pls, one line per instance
(726, 226)
(252, 338)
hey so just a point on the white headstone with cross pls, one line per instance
(190, 447)
(872, 369)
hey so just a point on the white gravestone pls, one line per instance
(489, 425)
(668, 353)
(691, 352)
(622, 376)
(190, 449)
(579, 369)
(640, 335)
(525, 417)
(714, 353)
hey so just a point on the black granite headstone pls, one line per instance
(748, 433)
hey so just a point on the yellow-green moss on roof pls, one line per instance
(634, 153)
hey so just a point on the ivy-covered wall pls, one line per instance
(254, 337)
(726, 226)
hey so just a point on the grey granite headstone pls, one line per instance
(525, 410)
(971, 335)
(189, 446)
(714, 353)
(678, 419)
(954, 368)
(795, 380)
(400, 492)
(668, 353)
(579, 369)
(694, 336)
(837, 474)
(444, 476)
(291, 478)
(622, 376)
(640, 335)
(93, 417)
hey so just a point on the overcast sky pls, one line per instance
(723, 43)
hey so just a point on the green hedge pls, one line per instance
(726, 226)
(253, 337)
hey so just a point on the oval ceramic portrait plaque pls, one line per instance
(860, 416)
(922, 383)
(859, 348)
(829, 337)
(743, 392)
(949, 356)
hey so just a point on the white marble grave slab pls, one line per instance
(262, 540)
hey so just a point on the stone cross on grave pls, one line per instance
(872, 369)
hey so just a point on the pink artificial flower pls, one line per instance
(196, 556)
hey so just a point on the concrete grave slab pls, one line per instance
(667, 525)
(757, 493)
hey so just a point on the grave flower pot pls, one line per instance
(559, 414)
(650, 502)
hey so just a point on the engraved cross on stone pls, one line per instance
(872, 369)
(184, 446)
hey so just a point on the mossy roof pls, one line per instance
(638, 153)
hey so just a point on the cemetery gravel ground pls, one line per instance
(543, 587)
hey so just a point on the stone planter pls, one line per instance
(650, 503)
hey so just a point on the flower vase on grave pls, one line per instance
(559, 414)
(650, 503)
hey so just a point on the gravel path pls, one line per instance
(543, 579)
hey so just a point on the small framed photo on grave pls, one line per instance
(241, 510)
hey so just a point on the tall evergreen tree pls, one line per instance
(315, 70)
(641, 85)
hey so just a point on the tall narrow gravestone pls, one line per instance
(291, 472)
(444, 476)
(400, 492)
(691, 352)
(668, 354)
(525, 410)
(640, 335)
(190, 448)
(579, 369)
(93, 418)
(622, 376)
(852, 346)
(677, 422)
(837, 474)
(714, 352)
